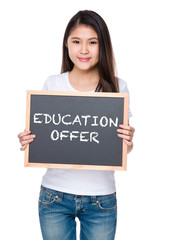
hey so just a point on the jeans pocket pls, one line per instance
(46, 198)
(107, 204)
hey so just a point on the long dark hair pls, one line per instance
(108, 81)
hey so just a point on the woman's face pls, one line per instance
(83, 47)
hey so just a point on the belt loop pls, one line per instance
(93, 199)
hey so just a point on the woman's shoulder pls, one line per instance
(55, 81)
(57, 77)
(122, 85)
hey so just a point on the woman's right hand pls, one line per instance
(25, 138)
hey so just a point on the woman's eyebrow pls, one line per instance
(88, 39)
(93, 38)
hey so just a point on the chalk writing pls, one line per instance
(83, 120)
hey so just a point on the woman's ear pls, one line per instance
(66, 44)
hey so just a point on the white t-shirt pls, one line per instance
(78, 181)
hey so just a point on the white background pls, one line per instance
(30, 50)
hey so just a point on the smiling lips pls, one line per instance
(84, 59)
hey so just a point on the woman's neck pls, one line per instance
(83, 80)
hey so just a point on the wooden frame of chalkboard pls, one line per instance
(91, 147)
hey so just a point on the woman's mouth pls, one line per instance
(84, 59)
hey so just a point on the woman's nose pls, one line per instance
(84, 48)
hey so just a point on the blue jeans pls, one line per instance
(57, 212)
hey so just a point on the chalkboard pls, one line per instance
(76, 130)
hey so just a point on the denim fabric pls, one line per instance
(57, 212)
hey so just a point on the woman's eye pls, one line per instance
(93, 42)
(76, 42)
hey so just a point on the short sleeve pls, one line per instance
(45, 86)
(123, 88)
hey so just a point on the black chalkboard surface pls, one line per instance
(76, 130)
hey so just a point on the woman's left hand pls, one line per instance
(126, 132)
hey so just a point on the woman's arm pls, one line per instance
(126, 132)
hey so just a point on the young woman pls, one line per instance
(88, 65)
